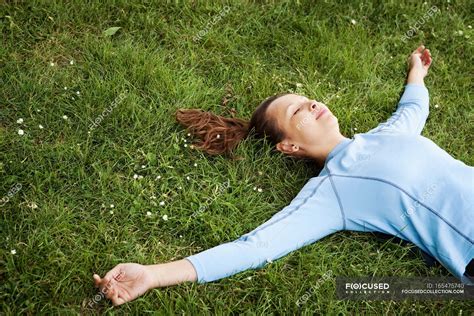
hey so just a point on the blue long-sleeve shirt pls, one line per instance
(389, 179)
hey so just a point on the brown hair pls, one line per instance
(221, 135)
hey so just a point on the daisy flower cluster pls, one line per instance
(21, 121)
(71, 62)
(153, 198)
(257, 188)
(53, 64)
(185, 141)
(22, 124)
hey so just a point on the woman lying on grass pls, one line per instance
(389, 180)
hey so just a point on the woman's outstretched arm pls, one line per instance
(313, 214)
(413, 108)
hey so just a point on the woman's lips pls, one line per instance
(321, 112)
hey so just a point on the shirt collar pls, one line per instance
(340, 146)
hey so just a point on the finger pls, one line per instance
(97, 280)
(119, 301)
(109, 292)
(426, 57)
(112, 274)
(417, 50)
(106, 285)
(114, 298)
(427, 53)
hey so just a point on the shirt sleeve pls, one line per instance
(311, 215)
(411, 113)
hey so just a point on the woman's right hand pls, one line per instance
(125, 282)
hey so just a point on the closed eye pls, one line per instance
(297, 110)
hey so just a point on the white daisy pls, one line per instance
(353, 21)
(436, 105)
(254, 188)
(32, 205)
(180, 236)
(140, 177)
(143, 166)
(148, 213)
(189, 134)
(71, 62)
(13, 252)
(19, 121)
(112, 206)
(65, 117)
(65, 88)
(179, 188)
(162, 203)
(195, 164)
(135, 176)
(111, 212)
(21, 132)
(259, 190)
(185, 145)
(188, 178)
(40, 126)
(77, 92)
(165, 217)
(158, 178)
(51, 64)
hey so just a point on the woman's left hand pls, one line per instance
(420, 61)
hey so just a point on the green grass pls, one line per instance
(254, 51)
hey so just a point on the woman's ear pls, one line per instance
(287, 148)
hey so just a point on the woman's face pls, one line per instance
(306, 123)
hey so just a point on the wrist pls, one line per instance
(170, 273)
(153, 272)
(416, 76)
